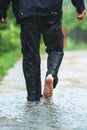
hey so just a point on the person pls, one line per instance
(38, 17)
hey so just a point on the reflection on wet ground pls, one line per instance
(68, 110)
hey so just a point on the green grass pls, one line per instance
(7, 60)
(71, 45)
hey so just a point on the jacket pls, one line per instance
(25, 8)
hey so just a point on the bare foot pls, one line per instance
(48, 87)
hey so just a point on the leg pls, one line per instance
(53, 39)
(30, 39)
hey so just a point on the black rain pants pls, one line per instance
(31, 30)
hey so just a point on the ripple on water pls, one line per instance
(68, 112)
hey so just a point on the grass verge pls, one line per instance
(71, 45)
(7, 60)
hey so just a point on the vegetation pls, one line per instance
(70, 20)
(7, 60)
(71, 45)
(76, 30)
(10, 47)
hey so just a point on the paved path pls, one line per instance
(69, 111)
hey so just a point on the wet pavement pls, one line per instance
(68, 110)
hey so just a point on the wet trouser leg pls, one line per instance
(53, 39)
(30, 38)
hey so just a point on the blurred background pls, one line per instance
(75, 34)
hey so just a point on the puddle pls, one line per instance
(68, 112)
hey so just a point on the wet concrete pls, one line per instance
(69, 108)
